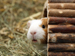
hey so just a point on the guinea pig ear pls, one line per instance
(29, 23)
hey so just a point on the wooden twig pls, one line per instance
(61, 6)
(61, 1)
(61, 13)
(61, 53)
(59, 20)
(63, 47)
(61, 38)
(61, 28)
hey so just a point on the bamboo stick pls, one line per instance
(61, 1)
(61, 53)
(58, 20)
(63, 47)
(61, 6)
(61, 28)
(61, 13)
(61, 38)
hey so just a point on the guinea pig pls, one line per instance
(37, 30)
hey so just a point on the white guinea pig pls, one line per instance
(37, 30)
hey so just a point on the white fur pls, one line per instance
(35, 26)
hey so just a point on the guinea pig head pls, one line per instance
(37, 30)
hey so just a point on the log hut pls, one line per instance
(61, 27)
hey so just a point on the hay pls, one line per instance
(14, 15)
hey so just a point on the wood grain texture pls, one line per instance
(61, 1)
(61, 47)
(61, 20)
(61, 54)
(61, 38)
(61, 28)
(61, 12)
(61, 5)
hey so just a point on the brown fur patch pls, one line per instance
(44, 22)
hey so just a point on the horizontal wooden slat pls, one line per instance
(59, 20)
(61, 54)
(61, 1)
(61, 6)
(61, 38)
(61, 28)
(61, 13)
(61, 47)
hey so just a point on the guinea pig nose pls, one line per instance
(33, 33)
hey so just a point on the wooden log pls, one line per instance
(61, 54)
(63, 47)
(61, 29)
(61, 1)
(61, 6)
(59, 20)
(61, 38)
(61, 13)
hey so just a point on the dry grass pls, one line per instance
(14, 15)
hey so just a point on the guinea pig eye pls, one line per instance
(43, 26)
